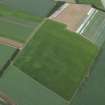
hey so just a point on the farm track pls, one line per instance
(10, 42)
(5, 99)
(35, 31)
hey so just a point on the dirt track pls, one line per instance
(73, 15)
(9, 42)
(5, 99)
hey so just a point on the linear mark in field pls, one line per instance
(86, 22)
(14, 22)
(34, 31)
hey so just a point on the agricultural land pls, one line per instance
(52, 52)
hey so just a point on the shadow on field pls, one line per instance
(94, 6)
(77, 1)
(98, 8)
(56, 7)
(2, 69)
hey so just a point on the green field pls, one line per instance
(95, 31)
(16, 25)
(23, 90)
(15, 30)
(6, 11)
(35, 7)
(57, 58)
(5, 54)
(93, 89)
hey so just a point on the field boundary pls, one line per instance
(85, 78)
(43, 85)
(36, 29)
(8, 62)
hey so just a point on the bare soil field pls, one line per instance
(10, 42)
(72, 16)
